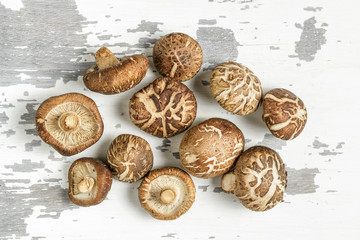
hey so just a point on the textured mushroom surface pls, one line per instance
(70, 123)
(164, 108)
(129, 157)
(111, 75)
(178, 56)
(167, 193)
(284, 113)
(260, 178)
(236, 88)
(211, 148)
(89, 181)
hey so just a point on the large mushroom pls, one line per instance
(70, 123)
(258, 179)
(178, 56)
(164, 108)
(111, 75)
(167, 193)
(129, 157)
(210, 148)
(89, 181)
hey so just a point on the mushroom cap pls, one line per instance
(167, 193)
(70, 123)
(164, 108)
(129, 157)
(177, 55)
(97, 171)
(126, 73)
(284, 113)
(211, 148)
(236, 88)
(261, 178)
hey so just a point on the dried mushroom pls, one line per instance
(211, 148)
(129, 157)
(164, 108)
(178, 56)
(167, 193)
(236, 88)
(70, 123)
(89, 181)
(258, 180)
(284, 113)
(111, 75)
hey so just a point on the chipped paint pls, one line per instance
(147, 26)
(50, 45)
(207, 21)
(3, 118)
(270, 141)
(218, 190)
(205, 83)
(203, 188)
(176, 155)
(30, 146)
(165, 145)
(8, 133)
(218, 45)
(311, 39)
(26, 166)
(313, 9)
(117, 126)
(169, 235)
(301, 181)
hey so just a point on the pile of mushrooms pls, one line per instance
(71, 122)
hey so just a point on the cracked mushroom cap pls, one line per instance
(113, 75)
(284, 113)
(178, 56)
(211, 148)
(164, 108)
(167, 193)
(129, 157)
(89, 182)
(70, 123)
(236, 88)
(258, 180)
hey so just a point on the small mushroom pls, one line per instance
(89, 181)
(167, 193)
(211, 148)
(284, 113)
(111, 75)
(258, 180)
(164, 108)
(70, 123)
(129, 157)
(236, 88)
(178, 56)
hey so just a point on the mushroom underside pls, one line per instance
(83, 174)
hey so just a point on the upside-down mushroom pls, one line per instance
(70, 123)
(89, 181)
(167, 193)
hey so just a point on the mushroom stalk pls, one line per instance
(69, 121)
(167, 196)
(86, 184)
(228, 182)
(105, 58)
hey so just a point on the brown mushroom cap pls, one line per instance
(236, 88)
(164, 108)
(70, 123)
(211, 148)
(178, 56)
(284, 113)
(111, 75)
(260, 178)
(89, 181)
(167, 193)
(129, 157)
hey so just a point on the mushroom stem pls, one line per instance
(173, 70)
(85, 185)
(167, 196)
(228, 182)
(69, 121)
(105, 58)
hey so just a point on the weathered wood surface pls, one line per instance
(308, 47)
